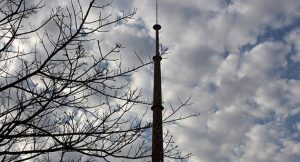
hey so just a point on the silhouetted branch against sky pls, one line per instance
(66, 93)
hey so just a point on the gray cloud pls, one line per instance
(249, 113)
(244, 102)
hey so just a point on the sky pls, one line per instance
(238, 60)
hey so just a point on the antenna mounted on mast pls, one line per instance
(157, 27)
(156, 12)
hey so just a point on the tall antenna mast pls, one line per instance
(157, 130)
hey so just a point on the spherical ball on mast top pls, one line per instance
(156, 27)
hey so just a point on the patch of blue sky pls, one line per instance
(291, 123)
(148, 135)
(246, 47)
(278, 34)
(226, 53)
(212, 87)
(270, 118)
(272, 34)
(228, 2)
(292, 70)
(141, 26)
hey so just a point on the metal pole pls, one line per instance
(157, 133)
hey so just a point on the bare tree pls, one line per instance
(48, 89)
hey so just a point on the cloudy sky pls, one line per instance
(240, 62)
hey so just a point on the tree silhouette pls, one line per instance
(48, 88)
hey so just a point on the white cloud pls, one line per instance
(264, 59)
(245, 104)
(294, 39)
